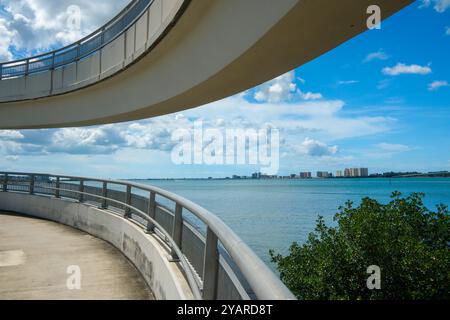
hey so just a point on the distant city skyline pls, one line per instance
(379, 101)
(309, 175)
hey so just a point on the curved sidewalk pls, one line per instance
(35, 255)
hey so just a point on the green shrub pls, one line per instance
(409, 243)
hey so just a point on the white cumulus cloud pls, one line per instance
(10, 135)
(6, 37)
(401, 68)
(280, 89)
(378, 55)
(303, 125)
(283, 89)
(315, 148)
(435, 85)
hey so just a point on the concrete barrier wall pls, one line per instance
(88, 70)
(146, 252)
(12, 89)
(112, 58)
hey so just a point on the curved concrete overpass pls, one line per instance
(181, 54)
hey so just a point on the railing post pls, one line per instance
(177, 229)
(104, 195)
(53, 60)
(151, 211)
(102, 37)
(210, 266)
(5, 183)
(58, 183)
(78, 51)
(32, 178)
(128, 202)
(27, 66)
(81, 190)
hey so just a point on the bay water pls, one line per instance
(271, 214)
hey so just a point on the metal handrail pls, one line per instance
(48, 60)
(264, 283)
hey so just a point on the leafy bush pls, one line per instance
(409, 243)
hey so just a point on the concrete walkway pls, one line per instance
(36, 256)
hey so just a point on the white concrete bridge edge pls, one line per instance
(149, 255)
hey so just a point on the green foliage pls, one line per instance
(408, 242)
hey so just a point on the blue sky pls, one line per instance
(380, 100)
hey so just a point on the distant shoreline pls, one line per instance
(283, 179)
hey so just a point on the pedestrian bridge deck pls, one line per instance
(35, 256)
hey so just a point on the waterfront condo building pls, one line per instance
(305, 175)
(356, 172)
(323, 174)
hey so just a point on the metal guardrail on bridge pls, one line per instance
(140, 203)
(80, 49)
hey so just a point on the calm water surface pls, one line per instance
(273, 213)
